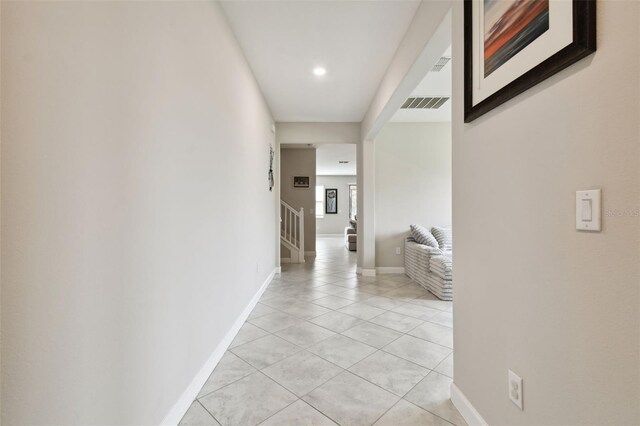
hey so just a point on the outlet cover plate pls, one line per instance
(515, 389)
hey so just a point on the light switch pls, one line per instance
(588, 210)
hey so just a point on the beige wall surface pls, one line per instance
(412, 184)
(557, 306)
(315, 133)
(125, 146)
(365, 178)
(300, 162)
(0, 220)
(335, 223)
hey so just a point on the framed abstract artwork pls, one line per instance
(331, 201)
(301, 181)
(272, 154)
(512, 45)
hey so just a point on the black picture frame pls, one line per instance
(584, 44)
(331, 201)
(301, 181)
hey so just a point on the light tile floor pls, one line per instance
(325, 346)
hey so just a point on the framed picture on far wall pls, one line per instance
(512, 45)
(331, 201)
(301, 181)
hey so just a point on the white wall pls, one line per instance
(422, 46)
(335, 223)
(425, 40)
(532, 294)
(128, 131)
(412, 184)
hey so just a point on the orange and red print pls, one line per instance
(511, 25)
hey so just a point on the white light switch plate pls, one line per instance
(588, 210)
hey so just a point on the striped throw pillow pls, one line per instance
(423, 236)
(443, 236)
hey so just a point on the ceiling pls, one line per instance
(435, 83)
(354, 40)
(328, 156)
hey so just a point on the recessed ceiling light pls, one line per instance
(319, 71)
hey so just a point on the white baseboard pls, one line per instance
(390, 270)
(279, 270)
(287, 260)
(469, 413)
(184, 402)
(365, 272)
(310, 253)
(328, 235)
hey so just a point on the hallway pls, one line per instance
(326, 346)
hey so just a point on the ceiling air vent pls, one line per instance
(440, 64)
(424, 103)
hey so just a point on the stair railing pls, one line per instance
(292, 228)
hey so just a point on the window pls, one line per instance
(320, 201)
(353, 201)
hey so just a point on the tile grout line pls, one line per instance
(282, 409)
(437, 415)
(435, 369)
(199, 397)
(300, 285)
(209, 412)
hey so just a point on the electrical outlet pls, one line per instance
(515, 389)
(398, 250)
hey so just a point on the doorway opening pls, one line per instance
(336, 207)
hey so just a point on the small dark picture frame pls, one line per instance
(331, 201)
(506, 43)
(301, 181)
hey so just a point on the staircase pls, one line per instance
(292, 231)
